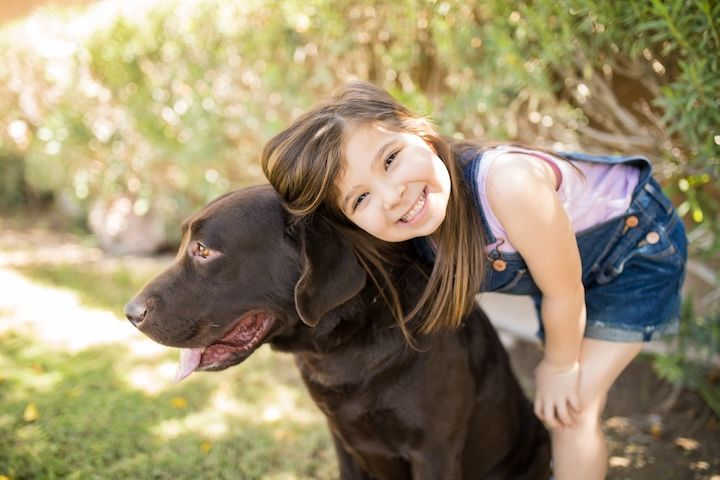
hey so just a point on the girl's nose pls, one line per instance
(393, 194)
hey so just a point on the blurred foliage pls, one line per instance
(171, 101)
(12, 180)
(693, 363)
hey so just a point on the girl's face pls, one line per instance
(393, 185)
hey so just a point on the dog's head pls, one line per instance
(241, 277)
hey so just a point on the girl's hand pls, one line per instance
(556, 398)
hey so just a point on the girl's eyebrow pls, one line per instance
(381, 153)
(378, 157)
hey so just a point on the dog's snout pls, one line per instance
(135, 312)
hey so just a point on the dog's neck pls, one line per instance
(349, 324)
(362, 328)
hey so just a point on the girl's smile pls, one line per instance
(415, 212)
(393, 184)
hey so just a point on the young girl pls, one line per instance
(591, 238)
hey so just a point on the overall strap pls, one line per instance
(548, 160)
(638, 161)
(471, 161)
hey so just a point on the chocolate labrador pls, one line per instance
(247, 274)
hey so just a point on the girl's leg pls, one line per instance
(580, 452)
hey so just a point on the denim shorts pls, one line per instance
(632, 291)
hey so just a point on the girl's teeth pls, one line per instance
(416, 208)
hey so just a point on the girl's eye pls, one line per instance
(390, 159)
(202, 250)
(359, 199)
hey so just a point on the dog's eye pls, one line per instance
(202, 250)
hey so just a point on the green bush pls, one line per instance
(12, 181)
(173, 106)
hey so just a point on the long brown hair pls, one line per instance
(303, 163)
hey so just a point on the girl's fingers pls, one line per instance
(574, 402)
(549, 415)
(564, 415)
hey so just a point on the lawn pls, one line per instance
(83, 395)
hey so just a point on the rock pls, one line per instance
(121, 230)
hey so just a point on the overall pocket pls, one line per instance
(652, 243)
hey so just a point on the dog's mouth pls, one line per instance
(249, 332)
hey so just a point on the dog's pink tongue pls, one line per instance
(189, 361)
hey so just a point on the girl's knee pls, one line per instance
(586, 423)
(591, 408)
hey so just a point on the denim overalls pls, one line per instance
(633, 266)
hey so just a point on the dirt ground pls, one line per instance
(654, 433)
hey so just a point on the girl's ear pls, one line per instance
(331, 273)
(426, 132)
(432, 146)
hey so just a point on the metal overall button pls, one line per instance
(630, 222)
(498, 264)
(622, 248)
(652, 238)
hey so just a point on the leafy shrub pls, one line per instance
(12, 181)
(173, 105)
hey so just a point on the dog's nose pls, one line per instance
(135, 312)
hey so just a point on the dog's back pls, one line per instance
(452, 408)
(526, 439)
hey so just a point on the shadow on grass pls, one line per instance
(95, 420)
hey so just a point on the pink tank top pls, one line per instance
(605, 191)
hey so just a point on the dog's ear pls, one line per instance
(331, 273)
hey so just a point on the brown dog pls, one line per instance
(246, 274)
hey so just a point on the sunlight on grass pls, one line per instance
(95, 285)
(281, 405)
(57, 317)
(252, 421)
(37, 379)
(83, 394)
(152, 379)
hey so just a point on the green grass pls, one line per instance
(110, 411)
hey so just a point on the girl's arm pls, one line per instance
(521, 192)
